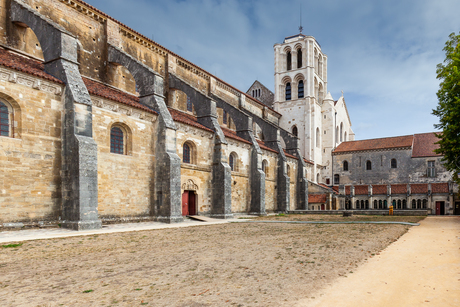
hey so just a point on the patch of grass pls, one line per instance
(12, 245)
(88, 291)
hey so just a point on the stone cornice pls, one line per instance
(37, 83)
(122, 109)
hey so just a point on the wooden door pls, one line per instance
(438, 208)
(322, 207)
(185, 201)
(191, 203)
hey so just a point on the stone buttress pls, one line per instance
(79, 150)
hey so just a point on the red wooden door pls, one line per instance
(438, 208)
(185, 200)
(322, 207)
(191, 203)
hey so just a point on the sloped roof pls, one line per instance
(232, 135)
(373, 144)
(440, 187)
(186, 118)
(424, 145)
(419, 188)
(398, 188)
(379, 189)
(317, 198)
(361, 189)
(263, 146)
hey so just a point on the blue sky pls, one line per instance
(382, 54)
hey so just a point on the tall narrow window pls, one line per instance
(186, 153)
(300, 89)
(368, 165)
(189, 104)
(345, 165)
(299, 58)
(116, 141)
(341, 130)
(431, 170)
(231, 162)
(265, 167)
(288, 91)
(318, 135)
(224, 119)
(4, 120)
(394, 163)
(289, 60)
(419, 204)
(336, 179)
(294, 131)
(258, 92)
(424, 203)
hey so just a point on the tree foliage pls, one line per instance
(448, 109)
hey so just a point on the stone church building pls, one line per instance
(100, 123)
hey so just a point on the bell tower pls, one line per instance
(300, 87)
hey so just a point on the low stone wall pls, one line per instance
(364, 212)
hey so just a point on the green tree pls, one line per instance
(448, 109)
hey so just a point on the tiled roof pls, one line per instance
(101, 90)
(308, 161)
(398, 188)
(263, 146)
(373, 144)
(440, 187)
(347, 190)
(317, 198)
(289, 155)
(424, 145)
(336, 189)
(361, 189)
(232, 135)
(26, 65)
(379, 189)
(419, 188)
(188, 119)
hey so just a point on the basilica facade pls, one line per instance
(99, 123)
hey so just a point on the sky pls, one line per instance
(382, 54)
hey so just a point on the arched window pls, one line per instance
(224, 117)
(336, 179)
(376, 206)
(357, 204)
(317, 178)
(362, 204)
(288, 91)
(414, 204)
(253, 93)
(385, 204)
(318, 141)
(289, 60)
(367, 204)
(288, 170)
(394, 163)
(294, 131)
(117, 141)
(299, 58)
(404, 204)
(300, 89)
(345, 165)
(265, 167)
(380, 204)
(345, 136)
(189, 104)
(258, 94)
(419, 204)
(4, 120)
(399, 204)
(233, 161)
(186, 154)
(424, 203)
(368, 165)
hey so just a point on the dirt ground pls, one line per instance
(340, 218)
(236, 264)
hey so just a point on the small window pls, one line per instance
(299, 58)
(414, 204)
(288, 170)
(367, 204)
(380, 204)
(258, 92)
(419, 204)
(328, 181)
(431, 170)
(189, 104)
(336, 179)
(368, 165)
(384, 204)
(233, 160)
(424, 203)
(294, 131)
(345, 165)
(224, 117)
(116, 141)
(4, 120)
(394, 163)
(288, 91)
(357, 204)
(289, 60)
(186, 154)
(265, 167)
(300, 89)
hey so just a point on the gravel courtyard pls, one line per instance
(235, 264)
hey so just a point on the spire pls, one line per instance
(300, 27)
